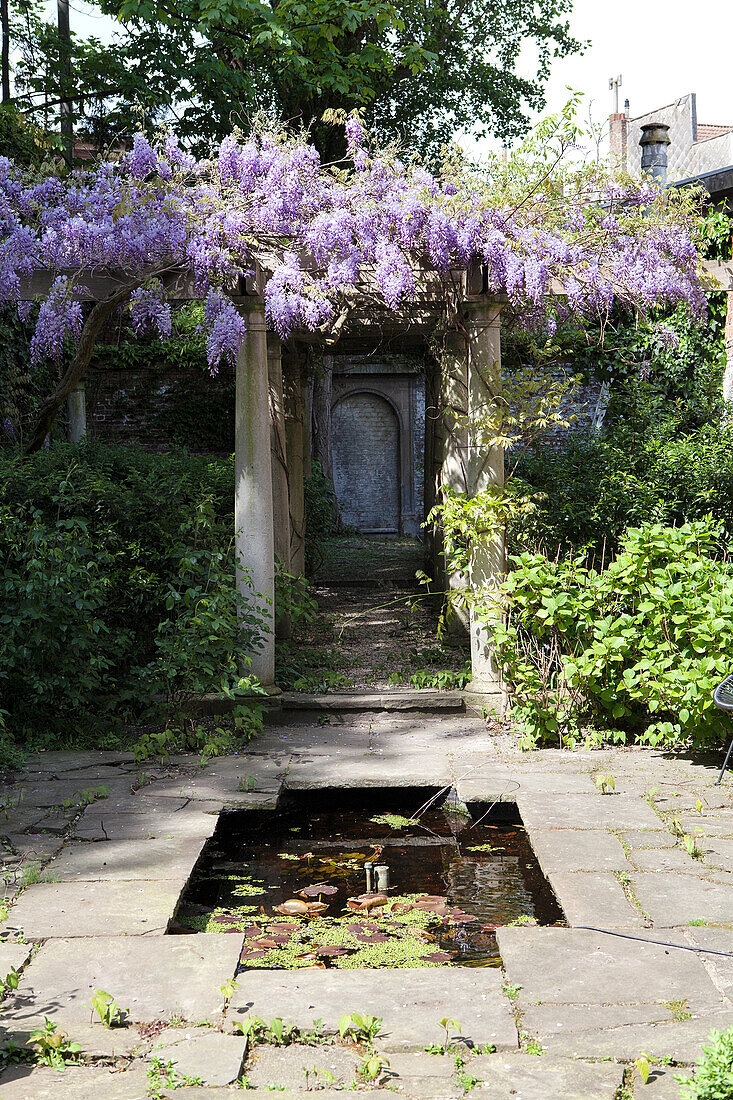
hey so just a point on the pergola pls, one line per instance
(269, 496)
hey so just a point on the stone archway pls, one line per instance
(366, 462)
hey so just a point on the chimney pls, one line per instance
(618, 139)
(654, 141)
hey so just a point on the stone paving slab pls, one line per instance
(588, 897)
(151, 979)
(423, 699)
(158, 859)
(720, 966)
(29, 847)
(327, 1066)
(581, 967)
(489, 783)
(578, 850)
(410, 1002)
(47, 793)
(78, 760)
(581, 811)
(666, 859)
(662, 1084)
(672, 899)
(543, 1078)
(213, 1057)
(679, 1041)
(648, 838)
(74, 1083)
(389, 769)
(114, 908)
(13, 956)
(117, 826)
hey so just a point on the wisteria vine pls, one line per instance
(378, 228)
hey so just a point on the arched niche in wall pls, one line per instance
(366, 462)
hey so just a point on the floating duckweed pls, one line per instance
(394, 821)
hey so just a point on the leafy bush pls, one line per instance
(320, 513)
(118, 592)
(636, 647)
(713, 1078)
(644, 469)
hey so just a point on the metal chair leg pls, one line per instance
(725, 765)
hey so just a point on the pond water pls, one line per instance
(453, 878)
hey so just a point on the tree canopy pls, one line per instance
(419, 69)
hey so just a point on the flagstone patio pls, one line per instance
(571, 1009)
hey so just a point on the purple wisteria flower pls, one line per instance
(318, 237)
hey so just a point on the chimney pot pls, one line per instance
(654, 141)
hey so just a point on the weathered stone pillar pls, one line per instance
(452, 457)
(278, 449)
(295, 435)
(321, 413)
(77, 411)
(306, 390)
(253, 513)
(485, 468)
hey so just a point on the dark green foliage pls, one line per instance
(645, 468)
(20, 141)
(117, 583)
(320, 513)
(420, 70)
(713, 1079)
(635, 648)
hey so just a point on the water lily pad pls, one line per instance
(330, 950)
(248, 954)
(320, 888)
(439, 956)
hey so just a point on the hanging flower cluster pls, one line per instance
(379, 230)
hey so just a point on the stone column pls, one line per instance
(253, 514)
(306, 390)
(485, 468)
(451, 458)
(278, 451)
(77, 410)
(295, 432)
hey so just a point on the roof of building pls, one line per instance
(707, 130)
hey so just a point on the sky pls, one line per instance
(662, 49)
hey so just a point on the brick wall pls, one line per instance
(366, 462)
(162, 407)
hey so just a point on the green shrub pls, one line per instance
(644, 469)
(634, 648)
(713, 1078)
(320, 513)
(118, 592)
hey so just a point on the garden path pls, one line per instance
(376, 627)
(95, 877)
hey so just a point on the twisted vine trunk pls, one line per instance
(78, 365)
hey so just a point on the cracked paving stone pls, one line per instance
(533, 1078)
(134, 860)
(75, 1083)
(300, 1067)
(114, 908)
(674, 899)
(213, 1057)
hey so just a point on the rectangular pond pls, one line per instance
(294, 881)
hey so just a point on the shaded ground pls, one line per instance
(376, 627)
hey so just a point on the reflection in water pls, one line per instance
(488, 873)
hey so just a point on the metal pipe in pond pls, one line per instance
(369, 881)
(381, 875)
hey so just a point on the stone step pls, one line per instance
(422, 699)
